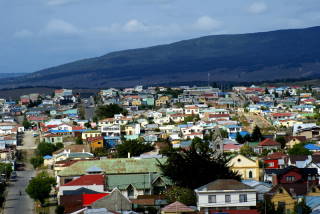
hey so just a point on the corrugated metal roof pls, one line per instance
(114, 166)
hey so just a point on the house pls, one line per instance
(53, 138)
(261, 187)
(92, 182)
(176, 208)
(95, 142)
(293, 140)
(309, 132)
(90, 133)
(276, 160)
(111, 130)
(191, 110)
(114, 201)
(246, 167)
(267, 144)
(225, 194)
(133, 185)
(291, 174)
(162, 100)
(286, 195)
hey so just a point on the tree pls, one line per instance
(247, 151)
(282, 141)
(101, 152)
(36, 161)
(26, 124)
(299, 149)
(79, 141)
(108, 111)
(256, 134)
(59, 209)
(181, 194)
(240, 139)
(302, 208)
(200, 160)
(134, 147)
(266, 91)
(6, 169)
(224, 133)
(44, 149)
(39, 187)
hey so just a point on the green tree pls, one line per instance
(247, 151)
(256, 134)
(282, 141)
(36, 161)
(224, 133)
(44, 149)
(59, 209)
(134, 147)
(26, 124)
(302, 208)
(240, 139)
(299, 149)
(108, 111)
(200, 160)
(6, 169)
(79, 141)
(39, 187)
(181, 194)
(266, 206)
(101, 152)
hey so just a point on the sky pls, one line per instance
(37, 34)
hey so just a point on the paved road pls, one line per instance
(16, 204)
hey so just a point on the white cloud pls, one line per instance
(207, 23)
(257, 7)
(134, 25)
(23, 34)
(58, 26)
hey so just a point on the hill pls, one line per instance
(274, 55)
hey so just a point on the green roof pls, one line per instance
(138, 181)
(114, 166)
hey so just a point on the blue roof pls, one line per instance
(312, 201)
(234, 135)
(112, 138)
(312, 147)
(47, 157)
(94, 169)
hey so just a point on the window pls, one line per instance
(250, 174)
(243, 198)
(282, 205)
(227, 198)
(271, 164)
(212, 199)
(290, 178)
(130, 191)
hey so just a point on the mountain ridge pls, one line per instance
(272, 55)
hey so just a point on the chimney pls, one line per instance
(129, 155)
(274, 180)
(292, 192)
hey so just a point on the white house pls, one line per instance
(228, 194)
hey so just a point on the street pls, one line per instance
(16, 203)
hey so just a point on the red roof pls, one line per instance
(75, 128)
(281, 114)
(269, 142)
(88, 199)
(86, 180)
(275, 156)
(218, 115)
